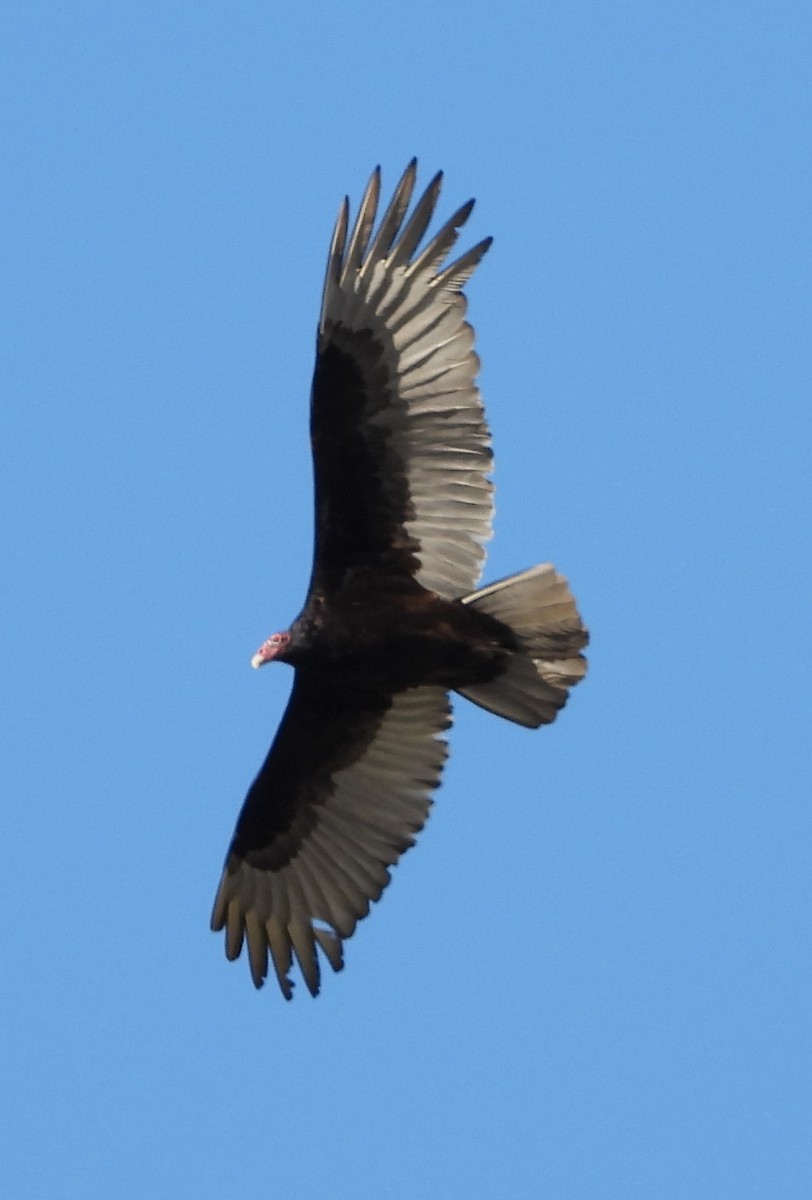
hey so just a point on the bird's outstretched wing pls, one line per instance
(346, 786)
(400, 445)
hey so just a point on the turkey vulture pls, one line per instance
(392, 622)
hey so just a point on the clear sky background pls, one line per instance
(591, 980)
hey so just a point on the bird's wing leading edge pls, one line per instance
(344, 789)
(400, 444)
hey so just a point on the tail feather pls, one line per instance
(539, 608)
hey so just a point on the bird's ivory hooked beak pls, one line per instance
(271, 648)
(264, 654)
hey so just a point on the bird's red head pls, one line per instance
(270, 649)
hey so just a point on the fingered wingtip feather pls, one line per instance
(335, 256)
(455, 276)
(340, 229)
(443, 241)
(392, 218)
(362, 229)
(330, 943)
(418, 223)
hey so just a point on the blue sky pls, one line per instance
(591, 980)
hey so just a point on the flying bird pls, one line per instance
(392, 622)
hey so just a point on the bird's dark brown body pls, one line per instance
(392, 622)
(393, 640)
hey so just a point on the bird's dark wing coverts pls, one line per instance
(400, 445)
(346, 786)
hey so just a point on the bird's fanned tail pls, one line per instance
(538, 606)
